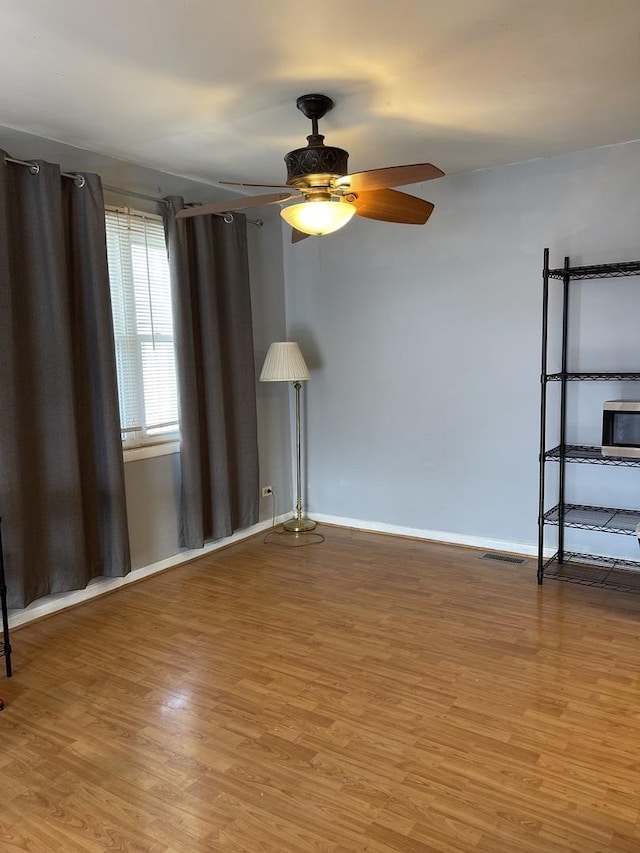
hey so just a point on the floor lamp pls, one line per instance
(284, 363)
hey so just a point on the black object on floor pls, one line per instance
(5, 645)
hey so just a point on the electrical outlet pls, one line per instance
(266, 491)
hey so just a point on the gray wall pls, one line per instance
(153, 484)
(424, 346)
(423, 342)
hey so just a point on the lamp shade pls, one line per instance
(284, 363)
(318, 217)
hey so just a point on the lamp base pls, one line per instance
(298, 525)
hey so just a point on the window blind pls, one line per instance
(143, 325)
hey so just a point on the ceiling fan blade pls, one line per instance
(238, 184)
(296, 235)
(393, 206)
(233, 204)
(392, 176)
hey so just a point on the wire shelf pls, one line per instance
(598, 271)
(595, 570)
(589, 454)
(600, 518)
(581, 568)
(584, 377)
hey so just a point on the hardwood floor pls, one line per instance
(367, 694)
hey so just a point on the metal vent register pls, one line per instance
(503, 558)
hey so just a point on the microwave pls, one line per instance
(621, 428)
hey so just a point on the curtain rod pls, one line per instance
(79, 181)
(132, 194)
(34, 168)
(118, 191)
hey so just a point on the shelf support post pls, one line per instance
(563, 410)
(543, 413)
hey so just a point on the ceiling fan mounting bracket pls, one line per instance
(314, 106)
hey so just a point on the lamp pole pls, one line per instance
(298, 524)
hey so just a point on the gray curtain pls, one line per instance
(216, 375)
(62, 497)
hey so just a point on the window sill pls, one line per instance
(147, 451)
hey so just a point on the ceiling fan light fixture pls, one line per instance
(318, 217)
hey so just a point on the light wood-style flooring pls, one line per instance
(366, 694)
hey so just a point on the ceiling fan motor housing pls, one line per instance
(317, 160)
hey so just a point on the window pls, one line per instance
(143, 326)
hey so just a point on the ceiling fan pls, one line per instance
(327, 196)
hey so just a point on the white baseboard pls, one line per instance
(54, 603)
(99, 586)
(524, 548)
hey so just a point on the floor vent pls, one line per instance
(503, 558)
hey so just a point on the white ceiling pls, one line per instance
(207, 89)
